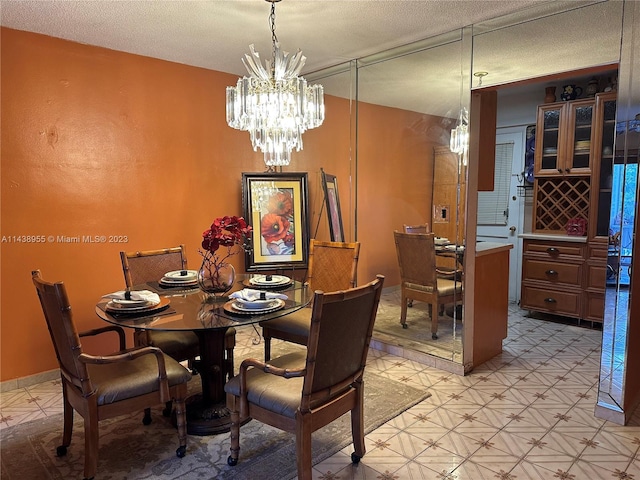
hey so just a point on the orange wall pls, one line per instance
(100, 142)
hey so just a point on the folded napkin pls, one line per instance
(250, 295)
(138, 295)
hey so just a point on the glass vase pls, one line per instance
(216, 278)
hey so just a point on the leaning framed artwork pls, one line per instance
(332, 202)
(275, 205)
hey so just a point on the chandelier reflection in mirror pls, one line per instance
(273, 104)
(459, 142)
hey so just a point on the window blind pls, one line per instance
(493, 206)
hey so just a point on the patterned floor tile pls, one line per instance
(472, 471)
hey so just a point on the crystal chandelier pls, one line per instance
(459, 142)
(273, 104)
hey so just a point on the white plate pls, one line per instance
(254, 304)
(130, 303)
(116, 304)
(460, 248)
(270, 305)
(176, 276)
(116, 307)
(275, 280)
(441, 241)
(164, 281)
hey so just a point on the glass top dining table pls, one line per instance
(209, 317)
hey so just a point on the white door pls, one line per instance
(505, 223)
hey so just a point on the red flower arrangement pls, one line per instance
(224, 232)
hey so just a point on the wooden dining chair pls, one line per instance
(149, 266)
(106, 386)
(421, 228)
(332, 266)
(419, 276)
(303, 391)
(146, 266)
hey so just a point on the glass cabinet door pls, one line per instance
(580, 139)
(606, 126)
(548, 146)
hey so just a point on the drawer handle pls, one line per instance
(552, 250)
(550, 300)
(551, 272)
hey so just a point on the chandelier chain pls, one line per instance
(274, 38)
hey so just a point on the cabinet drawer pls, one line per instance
(554, 250)
(594, 307)
(552, 301)
(554, 272)
(596, 276)
(597, 252)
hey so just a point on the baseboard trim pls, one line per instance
(30, 380)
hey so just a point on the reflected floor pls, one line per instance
(417, 335)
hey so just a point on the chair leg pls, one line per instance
(434, 321)
(146, 419)
(166, 411)
(410, 302)
(91, 437)
(181, 424)
(235, 430)
(67, 431)
(403, 310)
(303, 446)
(357, 425)
(267, 349)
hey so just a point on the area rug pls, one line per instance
(129, 450)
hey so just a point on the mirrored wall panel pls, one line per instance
(409, 100)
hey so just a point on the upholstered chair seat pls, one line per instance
(302, 391)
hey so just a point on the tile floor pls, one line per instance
(525, 415)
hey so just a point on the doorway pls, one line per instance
(501, 212)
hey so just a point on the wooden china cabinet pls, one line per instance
(565, 256)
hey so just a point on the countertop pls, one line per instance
(489, 248)
(555, 238)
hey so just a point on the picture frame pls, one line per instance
(276, 206)
(332, 202)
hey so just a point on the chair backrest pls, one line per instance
(341, 327)
(416, 258)
(150, 265)
(422, 228)
(332, 265)
(66, 342)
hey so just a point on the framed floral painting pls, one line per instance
(275, 205)
(332, 202)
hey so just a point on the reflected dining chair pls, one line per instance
(419, 276)
(303, 391)
(106, 386)
(420, 228)
(332, 266)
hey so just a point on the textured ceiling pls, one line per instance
(215, 34)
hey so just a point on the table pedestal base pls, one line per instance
(207, 419)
